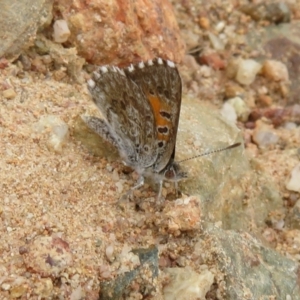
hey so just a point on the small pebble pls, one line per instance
(58, 75)
(9, 94)
(275, 70)
(233, 90)
(191, 39)
(61, 31)
(47, 59)
(77, 293)
(109, 251)
(264, 138)
(187, 284)
(204, 71)
(213, 60)
(5, 286)
(265, 100)
(293, 183)
(241, 109)
(58, 131)
(120, 187)
(247, 71)
(232, 68)
(289, 125)
(216, 42)
(220, 26)
(25, 61)
(190, 63)
(3, 63)
(38, 65)
(228, 112)
(204, 23)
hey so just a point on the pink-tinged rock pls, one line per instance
(121, 31)
(3, 63)
(213, 60)
(47, 256)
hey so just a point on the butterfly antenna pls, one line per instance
(211, 152)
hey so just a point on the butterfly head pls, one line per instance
(173, 172)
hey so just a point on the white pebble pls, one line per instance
(61, 31)
(216, 42)
(187, 284)
(109, 251)
(58, 129)
(5, 286)
(220, 26)
(247, 71)
(241, 109)
(293, 183)
(228, 112)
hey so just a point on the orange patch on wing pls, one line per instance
(157, 106)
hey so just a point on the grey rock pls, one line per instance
(292, 219)
(252, 270)
(119, 288)
(19, 22)
(277, 12)
(229, 190)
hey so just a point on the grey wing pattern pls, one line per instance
(127, 113)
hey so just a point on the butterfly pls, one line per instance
(141, 108)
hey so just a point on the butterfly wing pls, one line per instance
(161, 84)
(141, 105)
(127, 114)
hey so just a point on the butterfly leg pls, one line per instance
(159, 198)
(139, 184)
(176, 188)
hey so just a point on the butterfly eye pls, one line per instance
(170, 173)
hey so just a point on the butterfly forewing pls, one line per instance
(161, 85)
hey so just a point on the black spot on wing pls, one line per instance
(163, 130)
(165, 115)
